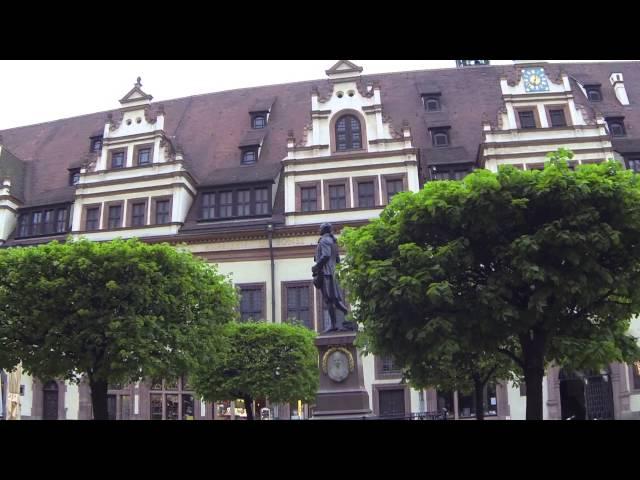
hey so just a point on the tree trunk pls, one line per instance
(533, 355)
(99, 399)
(248, 406)
(479, 390)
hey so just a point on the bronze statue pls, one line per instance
(324, 278)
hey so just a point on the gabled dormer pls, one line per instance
(259, 113)
(350, 159)
(540, 113)
(138, 186)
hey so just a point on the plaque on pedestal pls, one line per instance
(342, 395)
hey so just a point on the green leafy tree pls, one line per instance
(540, 264)
(110, 312)
(258, 360)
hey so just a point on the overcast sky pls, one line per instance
(39, 91)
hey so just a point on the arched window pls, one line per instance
(593, 93)
(616, 128)
(348, 133)
(249, 156)
(432, 104)
(440, 139)
(50, 401)
(259, 121)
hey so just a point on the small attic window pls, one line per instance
(74, 176)
(431, 103)
(249, 156)
(593, 93)
(96, 144)
(616, 126)
(258, 120)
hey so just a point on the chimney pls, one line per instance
(617, 80)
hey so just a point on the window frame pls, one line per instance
(299, 187)
(44, 229)
(106, 212)
(386, 178)
(93, 141)
(72, 173)
(376, 388)
(255, 149)
(618, 121)
(136, 154)
(129, 216)
(534, 117)
(437, 132)
(234, 189)
(349, 136)
(153, 217)
(113, 152)
(346, 182)
(376, 190)
(85, 216)
(285, 301)
(589, 89)
(551, 111)
(380, 374)
(262, 287)
(429, 97)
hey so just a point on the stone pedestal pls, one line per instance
(342, 397)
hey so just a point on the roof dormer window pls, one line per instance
(616, 126)
(259, 121)
(432, 103)
(593, 93)
(440, 136)
(96, 144)
(74, 176)
(249, 155)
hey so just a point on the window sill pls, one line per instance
(155, 225)
(40, 235)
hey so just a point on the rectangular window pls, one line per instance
(244, 203)
(61, 220)
(156, 406)
(188, 410)
(634, 165)
(527, 119)
(262, 201)
(115, 216)
(298, 305)
(337, 197)
(226, 204)
(172, 407)
(366, 193)
(636, 375)
(391, 403)
(48, 221)
(208, 206)
(117, 160)
(125, 407)
(144, 156)
(36, 223)
(557, 118)
(394, 186)
(162, 212)
(309, 199)
(388, 366)
(137, 214)
(23, 225)
(251, 303)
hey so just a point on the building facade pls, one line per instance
(245, 177)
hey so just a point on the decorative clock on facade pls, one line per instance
(535, 80)
(337, 363)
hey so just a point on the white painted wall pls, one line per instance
(71, 401)
(27, 400)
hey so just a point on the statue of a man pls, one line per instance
(324, 275)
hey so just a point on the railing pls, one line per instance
(442, 415)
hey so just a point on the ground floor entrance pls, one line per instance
(586, 395)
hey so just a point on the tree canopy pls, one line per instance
(114, 311)
(260, 360)
(538, 266)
